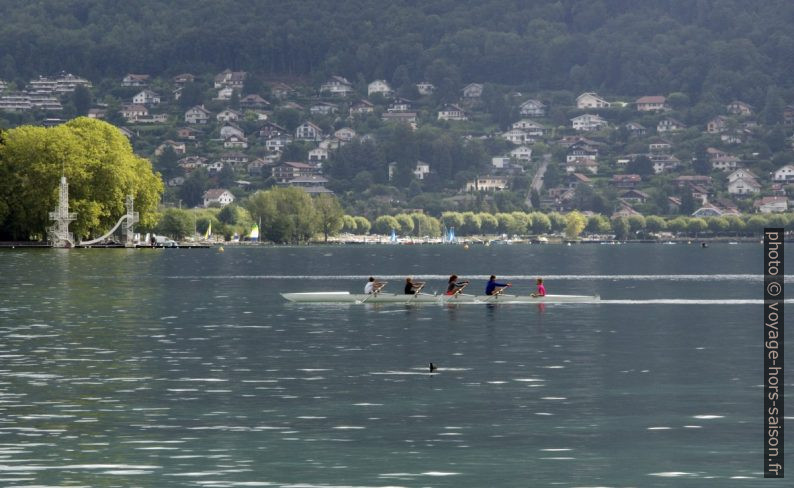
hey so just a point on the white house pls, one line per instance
(318, 155)
(230, 129)
(517, 136)
(337, 86)
(785, 174)
(197, 115)
(669, 124)
(738, 107)
(744, 186)
(501, 162)
(421, 170)
(308, 131)
(588, 122)
(235, 141)
(740, 173)
(133, 111)
(425, 88)
(228, 115)
(231, 79)
(472, 90)
(521, 153)
(487, 183)
(379, 86)
(218, 195)
(146, 97)
(452, 112)
(225, 93)
(650, 103)
(530, 127)
(135, 80)
(771, 204)
(590, 100)
(345, 134)
(323, 108)
(532, 108)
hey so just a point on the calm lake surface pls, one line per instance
(178, 367)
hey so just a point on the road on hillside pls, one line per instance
(537, 180)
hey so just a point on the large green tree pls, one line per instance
(287, 214)
(101, 170)
(329, 213)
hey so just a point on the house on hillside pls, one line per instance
(400, 117)
(308, 131)
(581, 151)
(253, 102)
(379, 86)
(517, 136)
(717, 125)
(669, 124)
(281, 90)
(741, 173)
(530, 127)
(323, 108)
(744, 186)
(532, 108)
(146, 97)
(228, 115)
(188, 133)
(785, 174)
(230, 79)
(337, 86)
(636, 129)
(135, 80)
(590, 100)
(131, 112)
(345, 134)
(740, 108)
(399, 105)
(521, 153)
(626, 181)
(487, 183)
(581, 165)
(771, 204)
(197, 115)
(651, 103)
(287, 171)
(362, 107)
(472, 90)
(235, 141)
(318, 155)
(229, 129)
(183, 79)
(219, 196)
(588, 122)
(452, 112)
(425, 88)
(177, 147)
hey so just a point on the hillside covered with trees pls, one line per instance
(703, 48)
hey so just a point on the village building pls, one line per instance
(785, 174)
(472, 90)
(744, 186)
(228, 115)
(318, 155)
(197, 115)
(522, 153)
(501, 162)
(771, 204)
(517, 137)
(379, 86)
(177, 147)
(717, 125)
(308, 131)
(323, 108)
(532, 108)
(337, 86)
(345, 134)
(281, 90)
(229, 129)
(146, 97)
(590, 100)
(135, 80)
(235, 158)
(131, 112)
(218, 196)
(362, 107)
(235, 141)
(287, 171)
(531, 127)
(581, 165)
(651, 103)
(425, 88)
(663, 163)
(183, 79)
(588, 122)
(487, 183)
(669, 124)
(400, 117)
(225, 93)
(636, 129)
(188, 133)
(740, 108)
(230, 79)
(626, 181)
(253, 102)
(452, 112)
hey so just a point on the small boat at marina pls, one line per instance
(359, 298)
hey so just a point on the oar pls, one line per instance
(374, 292)
(415, 293)
(457, 292)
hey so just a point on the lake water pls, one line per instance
(178, 367)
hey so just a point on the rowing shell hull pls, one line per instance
(346, 297)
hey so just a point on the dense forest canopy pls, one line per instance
(705, 48)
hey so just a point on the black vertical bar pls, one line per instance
(773, 352)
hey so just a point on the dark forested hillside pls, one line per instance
(725, 48)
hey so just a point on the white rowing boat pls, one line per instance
(358, 298)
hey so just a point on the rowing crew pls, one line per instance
(454, 287)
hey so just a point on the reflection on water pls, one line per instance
(171, 368)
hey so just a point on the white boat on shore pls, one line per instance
(359, 298)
